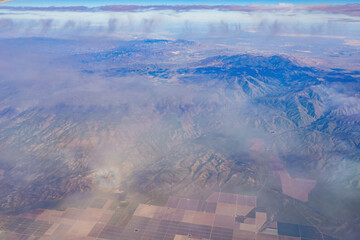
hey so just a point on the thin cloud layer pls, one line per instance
(348, 9)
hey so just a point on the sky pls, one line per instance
(92, 3)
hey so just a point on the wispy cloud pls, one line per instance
(354, 43)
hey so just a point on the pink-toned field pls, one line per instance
(257, 144)
(217, 216)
